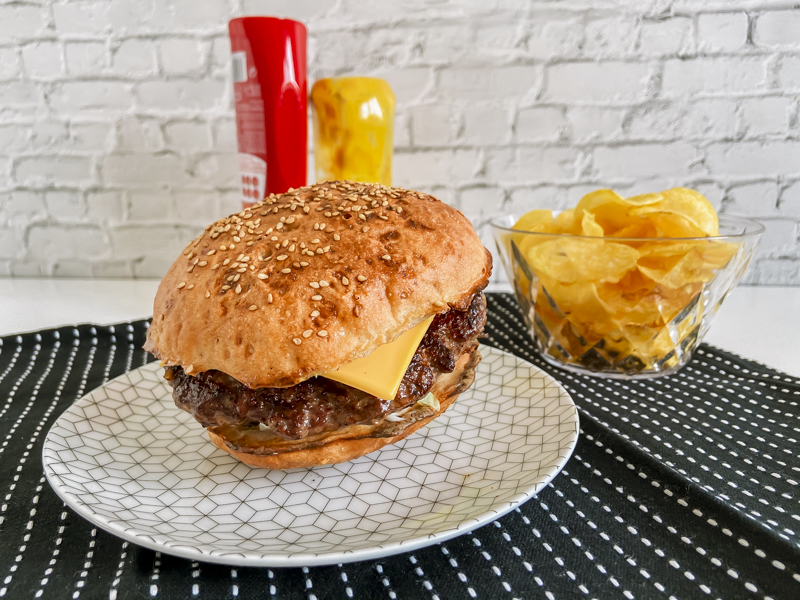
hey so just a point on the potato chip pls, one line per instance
(590, 227)
(685, 203)
(580, 305)
(570, 260)
(670, 225)
(639, 228)
(698, 265)
(565, 222)
(716, 254)
(611, 211)
(601, 300)
(536, 221)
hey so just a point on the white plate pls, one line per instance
(125, 458)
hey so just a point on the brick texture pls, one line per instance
(117, 139)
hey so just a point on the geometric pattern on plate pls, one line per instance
(128, 460)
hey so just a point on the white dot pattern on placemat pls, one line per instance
(629, 491)
(128, 459)
(702, 432)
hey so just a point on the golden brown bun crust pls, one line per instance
(421, 258)
(364, 439)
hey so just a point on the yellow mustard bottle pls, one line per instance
(353, 129)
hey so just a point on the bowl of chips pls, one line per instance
(624, 287)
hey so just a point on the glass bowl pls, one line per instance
(623, 308)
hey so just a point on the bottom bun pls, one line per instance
(254, 449)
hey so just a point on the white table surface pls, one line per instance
(760, 323)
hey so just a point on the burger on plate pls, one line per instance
(324, 323)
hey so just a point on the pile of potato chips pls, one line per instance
(622, 291)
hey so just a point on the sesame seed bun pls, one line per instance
(304, 282)
(268, 451)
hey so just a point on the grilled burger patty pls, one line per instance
(319, 404)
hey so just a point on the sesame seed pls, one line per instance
(226, 261)
(242, 270)
(279, 226)
(181, 284)
(191, 255)
(362, 217)
(399, 209)
(226, 287)
(291, 248)
(285, 243)
(234, 265)
(361, 278)
(345, 281)
(303, 264)
(322, 227)
(190, 286)
(384, 217)
(307, 333)
(365, 228)
(314, 285)
(302, 244)
(438, 303)
(286, 271)
(327, 213)
(336, 237)
(190, 269)
(274, 238)
(208, 294)
(252, 307)
(316, 297)
(296, 265)
(269, 298)
(236, 238)
(238, 289)
(326, 249)
(322, 333)
(324, 283)
(231, 247)
(386, 257)
(262, 275)
(237, 277)
(281, 257)
(244, 258)
(316, 226)
(315, 241)
(297, 341)
(314, 313)
(250, 244)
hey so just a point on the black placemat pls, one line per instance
(681, 487)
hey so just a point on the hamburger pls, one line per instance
(322, 324)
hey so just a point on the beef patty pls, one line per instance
(319, 404)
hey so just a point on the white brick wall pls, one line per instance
(117, 140)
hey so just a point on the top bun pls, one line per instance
(304, 282)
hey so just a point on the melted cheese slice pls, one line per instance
(381, 372)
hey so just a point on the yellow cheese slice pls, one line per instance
(381, 372)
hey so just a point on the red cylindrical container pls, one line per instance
(270, 90)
